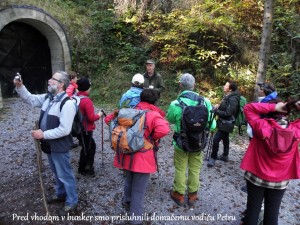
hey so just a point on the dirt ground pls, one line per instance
(220, 199)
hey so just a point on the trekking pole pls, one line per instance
(211, 135)
(102, 138)
(39, 164)
(209, 146)
(156, 160)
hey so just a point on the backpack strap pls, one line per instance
(63, 102)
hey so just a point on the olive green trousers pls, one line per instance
(190, 162)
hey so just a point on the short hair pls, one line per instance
(72, 74)
(268, 88)
(232, 85)
(187, 81)
(149, 95)
(64, 78)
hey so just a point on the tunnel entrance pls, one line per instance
(25, 50)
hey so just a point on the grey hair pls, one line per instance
(187, 81)
(65, 79)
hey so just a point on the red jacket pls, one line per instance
(71, 89)
(86, 107)
(261, 161)
(144, 162)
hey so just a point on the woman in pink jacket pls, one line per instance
(142, 163)
(268, 170)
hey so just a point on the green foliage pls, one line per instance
(282, 68)
(214, 40)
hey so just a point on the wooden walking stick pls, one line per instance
(39, 164)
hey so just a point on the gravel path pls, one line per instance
(221, 200)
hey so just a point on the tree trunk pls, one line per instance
(265, 43)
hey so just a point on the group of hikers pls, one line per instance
(268, 165)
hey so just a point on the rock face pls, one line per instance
(220, 199)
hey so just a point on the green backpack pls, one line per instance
(240, 119)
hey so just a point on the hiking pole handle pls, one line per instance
(104, 114)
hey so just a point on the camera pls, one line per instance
(18, 77)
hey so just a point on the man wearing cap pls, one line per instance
(132, 97)
(153, 79)
(86, 106)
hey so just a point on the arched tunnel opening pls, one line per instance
(25, 50)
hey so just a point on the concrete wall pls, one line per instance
(48, 26)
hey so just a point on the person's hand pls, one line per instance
(280, 107)
(216, 106)
(298, 105)
(100, 113)
(37, 134)
(17, 82)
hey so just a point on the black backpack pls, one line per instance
(77, 127)
(193, 128)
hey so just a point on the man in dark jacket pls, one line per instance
(153, 79)
(226, 112)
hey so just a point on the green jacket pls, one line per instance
(174, 113)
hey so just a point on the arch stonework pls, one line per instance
(48, 26)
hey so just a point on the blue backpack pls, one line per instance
(130, 99)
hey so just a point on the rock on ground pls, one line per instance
(220, 199)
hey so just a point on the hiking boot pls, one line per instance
(244, 189)
(55, 199)
(211, 162)
(223, 158)
(89, 170)
(67, 209)
(126, 205)
(81, 171)
(177, 198)
(74, 145)
(192, 197)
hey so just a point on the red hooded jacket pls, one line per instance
(262, 161)
(144, 162)
(87, 109)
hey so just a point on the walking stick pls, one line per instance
(39, 164)
(209, 146)
(102, 138)
(211, 135)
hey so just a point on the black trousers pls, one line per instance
(272, 198)
(219, 136)
(88, 151)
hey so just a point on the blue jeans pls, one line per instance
(64, 177)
